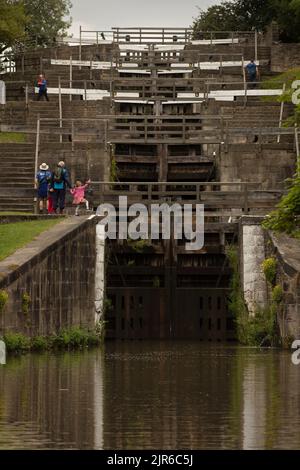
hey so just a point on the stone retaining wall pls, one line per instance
(51, 282)
(284, 57)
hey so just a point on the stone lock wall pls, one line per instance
(286, 250)
(51, 282)
(272, 164)
(284, 57)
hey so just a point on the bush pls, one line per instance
(284, 219)
(75, 338)
(269, 267)
(16, 342)
(261, 329)
(39, 343)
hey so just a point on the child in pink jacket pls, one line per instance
(78, 193)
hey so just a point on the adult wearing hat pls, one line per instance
(42, 179)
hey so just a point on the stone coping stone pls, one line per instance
(12, 219)
(34, 252)
(287, 251)
(251, 220)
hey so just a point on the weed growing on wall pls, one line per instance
(3, 300)
(26, 301)
(269, 266)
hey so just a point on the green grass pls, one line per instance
(15, 213)
(17, 235)
(7, 137)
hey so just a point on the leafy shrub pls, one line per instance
(75, 338)
(16, 342)
(285, 217)
(39, 343)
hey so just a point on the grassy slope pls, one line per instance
(18, 137)
(17, 235)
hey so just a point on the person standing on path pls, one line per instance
(42, 181)
(59, 182)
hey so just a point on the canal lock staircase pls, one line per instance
(173, 150)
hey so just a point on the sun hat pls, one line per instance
(44, 167)
(61, 163)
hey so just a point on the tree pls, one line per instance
(12, 23)
(48, 19)
(246, 15)
(215, 18)
(254, 14)
(288, 19)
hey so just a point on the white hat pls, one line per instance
(62, 164)
(44, 167)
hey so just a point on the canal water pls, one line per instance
(151, 395)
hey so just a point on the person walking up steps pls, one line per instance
(78, 193)
(42, 85)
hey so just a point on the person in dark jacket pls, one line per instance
(252, 72)
(59, 182)
(42, 86)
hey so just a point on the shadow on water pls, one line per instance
(151, 394)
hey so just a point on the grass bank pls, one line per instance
(16, 235)
(68, 339)
(6, 213)
(10, 137)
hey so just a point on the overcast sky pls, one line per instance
(103, 14)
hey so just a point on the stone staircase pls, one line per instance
(17, 172)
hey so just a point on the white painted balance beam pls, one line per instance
(212, 65)
(136, 71)
(99, 65)
(96, 65)
(214, 41)
(229, 95)
(130, 47)
(91, 94)
(133, 101)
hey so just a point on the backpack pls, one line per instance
(58, 176)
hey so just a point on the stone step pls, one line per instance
(19, 171)
(16, 206)
(20, 182)
(16, 166)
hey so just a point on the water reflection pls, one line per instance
(138, 395)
